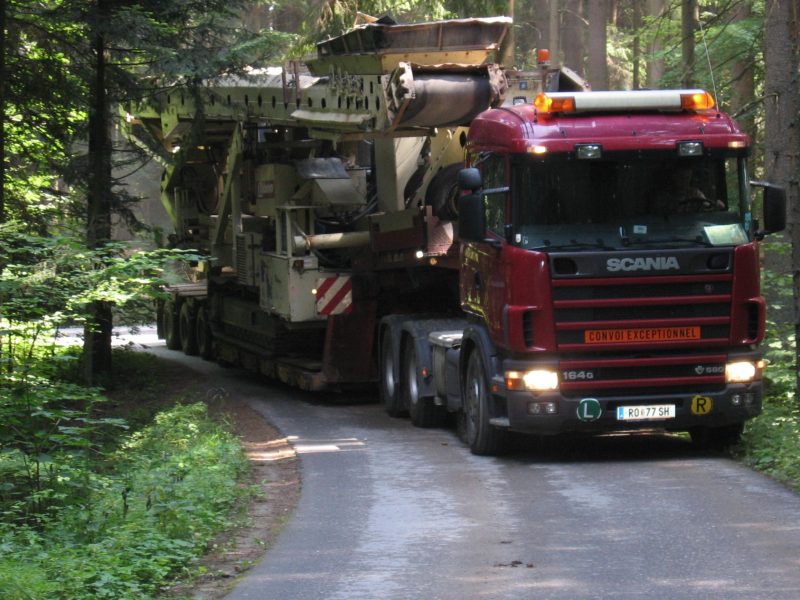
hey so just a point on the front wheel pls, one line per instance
(390, 396)
(717, 438)
(479, 434)
(423, 411)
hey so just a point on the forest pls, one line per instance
(76, 252)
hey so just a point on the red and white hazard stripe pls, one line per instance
(334, 295)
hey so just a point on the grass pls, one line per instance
(771, 442)
(136, 515)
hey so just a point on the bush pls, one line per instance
(165, 492)
(771, 442)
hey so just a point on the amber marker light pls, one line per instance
(699, 100)
(549, 104)
(543, 56)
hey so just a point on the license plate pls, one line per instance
(649, 412)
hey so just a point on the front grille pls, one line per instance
(651, 311)
(699, 287)
(647, 394)
(642, 375)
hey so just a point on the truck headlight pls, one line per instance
(741, 372)
(535, 380)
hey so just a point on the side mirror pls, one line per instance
(774, 209)
(469, 179)
(471, 217)
(471, 212)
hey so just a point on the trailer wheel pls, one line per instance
(478, 433)
(423, 411)
(186, 328)
(390, 397)
(202, 333)
(172, 335)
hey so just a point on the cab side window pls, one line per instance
(495, 193)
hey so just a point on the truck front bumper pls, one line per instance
(554, 413)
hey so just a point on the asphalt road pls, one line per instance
(389, 511)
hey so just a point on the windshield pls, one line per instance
(628, 201)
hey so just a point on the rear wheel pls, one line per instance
(423, 411)
(172, 335)
(186, 327)
(479, 434)
(202, 332)
(390, 396)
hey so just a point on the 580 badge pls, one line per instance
(577, 375)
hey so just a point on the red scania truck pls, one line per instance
(505, 246)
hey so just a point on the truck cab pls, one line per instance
(610, 267)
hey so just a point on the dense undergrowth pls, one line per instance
(771, 442)
(93, 508)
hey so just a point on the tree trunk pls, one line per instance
(554, 26)
(655, 61)
(597, 71)
(508, 50)
(572, 36)
(97, 340)
(743, 78)
(637, 46)
(688, 26)
(782, 127)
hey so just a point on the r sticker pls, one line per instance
(702, 405)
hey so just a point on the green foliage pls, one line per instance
(50, 427)
(771, 442)
(48, 281)
(47, 441)
(155, 504)
(780, 343)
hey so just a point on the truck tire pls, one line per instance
(172, 335)
(479, 434)
(717, 438)
(423, 411)
(186, 327)
(442, 193)
(390, 396)
(202, 334)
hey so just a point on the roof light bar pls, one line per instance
(550, 103)
(624, 101)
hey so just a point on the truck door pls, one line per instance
(483, 275)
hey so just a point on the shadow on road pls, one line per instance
(610, 447)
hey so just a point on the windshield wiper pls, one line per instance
(598, 244)
(671, 240)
